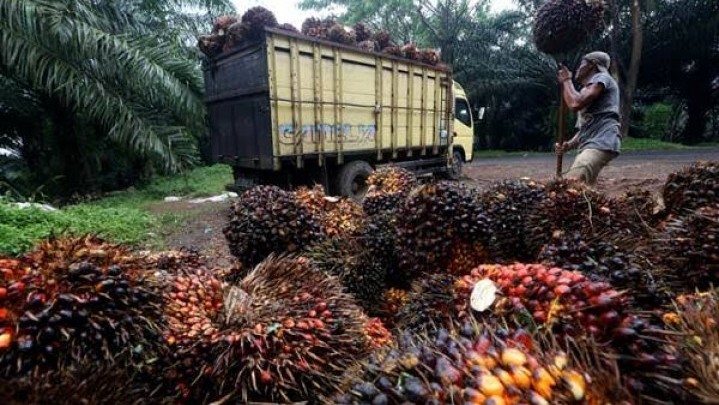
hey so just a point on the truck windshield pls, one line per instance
(462, 111)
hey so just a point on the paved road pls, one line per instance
(645, 169)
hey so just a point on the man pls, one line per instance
(598, 136)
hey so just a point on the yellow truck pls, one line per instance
(292, 110)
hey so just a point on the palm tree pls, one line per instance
(95, 69)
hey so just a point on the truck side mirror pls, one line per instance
(478, 113)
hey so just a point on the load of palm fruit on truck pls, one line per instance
(430, 292)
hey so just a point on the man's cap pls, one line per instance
(600, 59)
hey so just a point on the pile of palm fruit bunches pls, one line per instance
(434, 292)
(230, 32)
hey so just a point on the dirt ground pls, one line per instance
(201, 228)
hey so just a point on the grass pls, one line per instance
(122, 218)
(632, 144)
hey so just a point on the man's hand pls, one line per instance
(564, 74)
(561, 148)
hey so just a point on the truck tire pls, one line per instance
(352, 179)
(455, 171)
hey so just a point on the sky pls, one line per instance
(288, 12)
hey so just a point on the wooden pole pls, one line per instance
(560, 126)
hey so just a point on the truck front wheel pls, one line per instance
(352, 179)
(455, 170)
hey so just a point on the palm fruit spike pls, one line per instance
(85, 384)
(571, 206)
(509, 204)
(562, 25)
(256, 19)
(268, 219)
(698, 316)
(466, 366)
(388, 187)
(362, 32)
(689, 249)
(432, 218)
(362, 274)
(290, 330)
(339, 217)
(692, 187)
(222, 23)
(392, 303)
(76, 300)
(599, 260)
(339, 34)
(376, 334)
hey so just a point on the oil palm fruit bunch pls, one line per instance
(256, 19)
(432, 218)
(268, 219)
(429, 56)
(222, 23)
(339, 34)
(192, 304)
(465, 256)
(468, 366)
(409, 51)
(288, 27)
(236, 34)
(362, 32)
(378, 239)
(571, 206)
(429, 305)
(509, 205)
(75, 300)
(392, 50)
(290, 330)
(369, 46)
(566, 302)
(339, 217)
(640, 207)
(388, 187)
(599, 259)
(562, 25)
(360, 273)
(689, 249)
(693, 187)
(86, 383)
(211, 45)
(383, 39)
(392, 303)
(696, 320)
(314, 27)
(376, 333)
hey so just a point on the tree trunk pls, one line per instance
(633, 73)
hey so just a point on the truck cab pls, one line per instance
(463, 136)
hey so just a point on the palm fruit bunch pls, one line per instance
(369, 46)
(562, 25)
(360, 272)
(571, 206)
(222, 23)
(73, 300)
(236, 34)
(393, 301)
(376, 333)
(640, 206)
(193, 302)
(689, 249)
(268, 219)
(693, 187)
(429, 56)
(289, 329)
(565, 301)
(362, 32)
(338, 217)
(339, 34)
(378, 238)
(256, 19)
(388, 187)
(465, 256)
(288, 27)
(600, 259)
(87, 384)
(429, 305)
(392, 50)
(468, 366)
(509, 204)
(383, 39)
(211, 45)
(409, 51)
(434, 217)
(696, 321)
(314, 27)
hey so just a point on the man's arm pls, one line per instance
(578, 100)
(568, 145)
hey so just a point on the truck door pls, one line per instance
(463, 127)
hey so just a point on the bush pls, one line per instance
(657, 118)
(21, 228)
